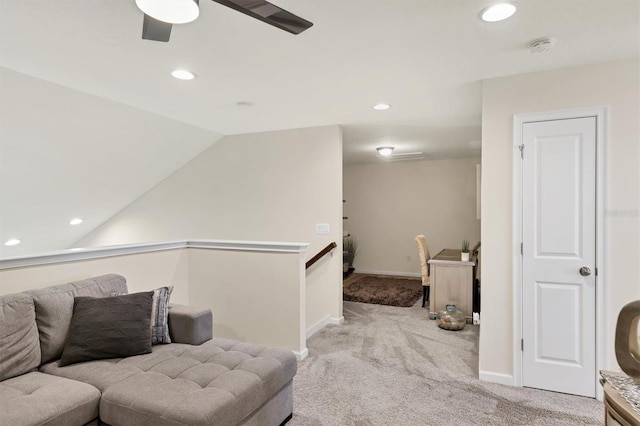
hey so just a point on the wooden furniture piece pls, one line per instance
(617, 410)
(451, 283)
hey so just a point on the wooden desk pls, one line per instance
(451, 283)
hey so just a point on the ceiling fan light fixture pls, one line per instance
(385, 151)
(498, 12)
(170, 11)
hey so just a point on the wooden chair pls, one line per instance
(425, 268)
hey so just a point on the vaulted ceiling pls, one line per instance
(76, 70)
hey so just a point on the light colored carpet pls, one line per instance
(392, 366)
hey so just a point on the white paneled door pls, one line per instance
(559, 255)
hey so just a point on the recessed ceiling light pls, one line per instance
(183, 75)
(171, 11)
(381, 107)
(498, 12)
(76, 221)
(12, 242)
(385, 151)
(76, 249)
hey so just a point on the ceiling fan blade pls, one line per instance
(152, 29)
(269, 13)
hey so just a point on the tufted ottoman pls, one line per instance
(220, 382)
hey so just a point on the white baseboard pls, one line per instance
(302, 354)
(337, 321)
(393, 273)
(323, 323)
(503, 379)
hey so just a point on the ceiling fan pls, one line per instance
(160, 15)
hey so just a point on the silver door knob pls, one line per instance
(585, 272)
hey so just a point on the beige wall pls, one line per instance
(614, 84)
(262, 304)
(272, 186)
(388, 204)
(143, 271)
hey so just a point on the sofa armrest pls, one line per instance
(188, 324)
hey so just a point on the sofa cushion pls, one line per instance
(219, 382)
(54, 308)
(41, 399)
(19, 345)
(109, 327)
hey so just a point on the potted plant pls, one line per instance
(350, 249)
(465, 251)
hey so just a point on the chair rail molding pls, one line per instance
(72, 255)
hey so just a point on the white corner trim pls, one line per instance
(323, 323)
(337, 321)
(302, 354)
(392, 273)
(500, 378)
(63, 256)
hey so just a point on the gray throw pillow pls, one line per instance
(109, 327)
(160, 315)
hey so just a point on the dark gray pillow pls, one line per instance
(109, 327)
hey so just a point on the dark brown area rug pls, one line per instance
(383, 291)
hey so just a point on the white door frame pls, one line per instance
(601, 115)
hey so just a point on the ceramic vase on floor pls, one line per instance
(627, 340)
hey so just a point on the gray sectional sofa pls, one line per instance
(196, 380)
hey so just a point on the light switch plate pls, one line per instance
(322, 228)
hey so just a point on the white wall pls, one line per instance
(263, 186)
(67, 154)
(388, 204)
(614, 84)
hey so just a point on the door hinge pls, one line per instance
(522, 345)
(521, 249)
(596, 272)
(521, 148)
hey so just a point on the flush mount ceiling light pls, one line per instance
(12, 242)
(498, 12)
(385, 151)
(170, 11)
(76, 221)
(381, 107)
(183, 75)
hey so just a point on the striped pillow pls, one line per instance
(160, 315)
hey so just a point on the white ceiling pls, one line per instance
(427, 58)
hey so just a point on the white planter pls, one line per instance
(464, 257)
